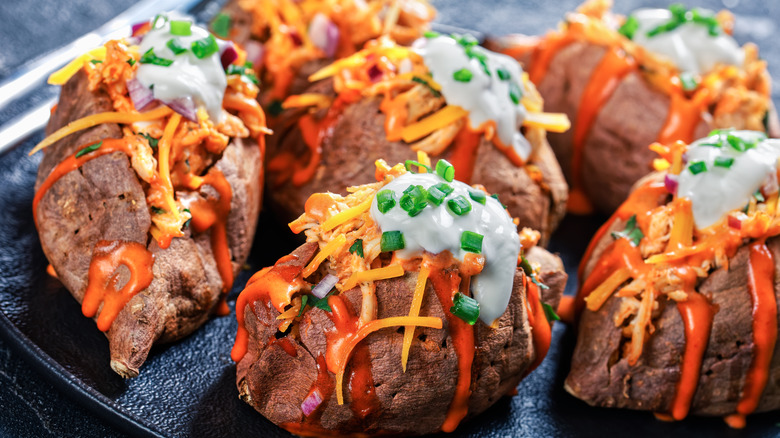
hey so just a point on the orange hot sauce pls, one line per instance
(464, 153)
(107, 257)
(540, 327)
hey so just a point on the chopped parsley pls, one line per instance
(221, 25)
(88, 149)
(631, 232)
(150, 58)
(357, 247)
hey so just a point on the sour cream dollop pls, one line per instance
(716, 189)
(690, 46)
(486, 97)
(202, 80)
(436, 229)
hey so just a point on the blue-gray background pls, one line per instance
(29, 405)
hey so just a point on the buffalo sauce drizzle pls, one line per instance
(464, 153)
(107, 257)
(696, 312)
(761, 279)
(540, 328)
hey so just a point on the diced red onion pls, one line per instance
(137, 26)
(184, 106)
(228, 56)
(295, 37)
(324, 286)
(311, 402)
(254, 53)
(374, 73)
(140, 95)
(735, 222)
(670, 182)
(324, 34)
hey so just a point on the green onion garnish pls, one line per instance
(476, 53)
(471, 242)
(245, 72)
(150, 58)
(414, 200)
(632, 232)
(688, 81)
(515, 93)
(495, 196)
(357, 247)
(157, 210)
(88, 149)
(221, 25)
(130, 61)
(420, 80)
(465, 40)
(478, 196)
(175, 47)
(385, 200)
(697, 167)
(459, 205)
(629, 28)
(181, 28)
(549, 313)
(503, 74)
(445, 170)
(152, 141)
(431, 34)
(408, 164)
(205, 47)
(96, 61)
(159, 21)
(463, 75)
(759, 196)
(391, 241)
(724, 162)
(465, 308)
(681, 15)
(437, 193)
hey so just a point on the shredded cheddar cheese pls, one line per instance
(419, 293)
(329, 248)
(62, 75)
(445, 116)
(373, 275)
(347, 215)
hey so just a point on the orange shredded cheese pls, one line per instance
(445, 116)
(553, 122)
(99, 119)
(682, 229)
(331, 247)
(599, 295)
(419, 292)
(166, 142)
(423, 158)
(62, 75)
(307, 99)
(373, 275)
(379, 324)
(346, 215)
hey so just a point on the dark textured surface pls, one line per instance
(54, 375)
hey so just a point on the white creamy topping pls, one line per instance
(436, 229)
(202, 80)
(690, 46)
(719, 190)
(485, 97)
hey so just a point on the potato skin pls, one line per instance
(600, 377)
(275, 383)
(105, 200)
(358, 139)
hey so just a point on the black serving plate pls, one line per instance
(188, 388)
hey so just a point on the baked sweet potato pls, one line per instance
(316, 146)
(104, 226)
(621, 95)
(687, 321)
(294, 368)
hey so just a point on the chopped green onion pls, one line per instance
(495, 196)
(759, 196)
(503, 74)
(159, 21)
(459, 205)
(724, 162)
(437, 193)
(88, 149)
(175, 47)
(632, 232)
(526, 265)
(419, 80)
(414, 200)
(471, 242)
(157, 210)
(445, 170)
(515, 93)
(688, 81)
(357, 247)
(431, 34)
(244, 71)
(304, 300)
(462, 75)
(478, 196)
(205, 47)
(465, 308)
(181, 28)
(408, 164)
(392, 241)
(465, 40)
(130, 61)
(549, 313)
(385, 200)
(739, 143)
(629, 28)
(221, 25)
(681, 15)
(697, 167)
(481, 57)
(97, 61)
(714, 145)
(150, 58)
